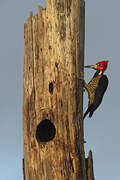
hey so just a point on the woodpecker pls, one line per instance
(96, 87)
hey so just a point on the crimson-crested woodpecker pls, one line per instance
(96, 87)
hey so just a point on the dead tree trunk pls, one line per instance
(53, 134)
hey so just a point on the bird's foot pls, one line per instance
(83, 141)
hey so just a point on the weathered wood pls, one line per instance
(89, 167)
(53, 94)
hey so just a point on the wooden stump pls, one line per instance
(53, 93)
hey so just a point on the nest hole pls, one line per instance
(45, 131)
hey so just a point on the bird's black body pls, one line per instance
(96, 89)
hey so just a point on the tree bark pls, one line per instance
(53, 134)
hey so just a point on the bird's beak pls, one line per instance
(91, 66)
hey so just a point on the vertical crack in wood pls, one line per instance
(23, 164)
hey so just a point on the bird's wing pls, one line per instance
(99, 93)
(102, 86)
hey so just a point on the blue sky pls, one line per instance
(102, 131)
(102, 41)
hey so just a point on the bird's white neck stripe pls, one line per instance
(100, 72)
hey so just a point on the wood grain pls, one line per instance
(53, 92)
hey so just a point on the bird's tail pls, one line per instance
(91, 113)
(85, 114)
(87, 111)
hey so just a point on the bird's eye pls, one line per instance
(99, 64)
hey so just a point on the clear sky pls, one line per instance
(102, 42)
